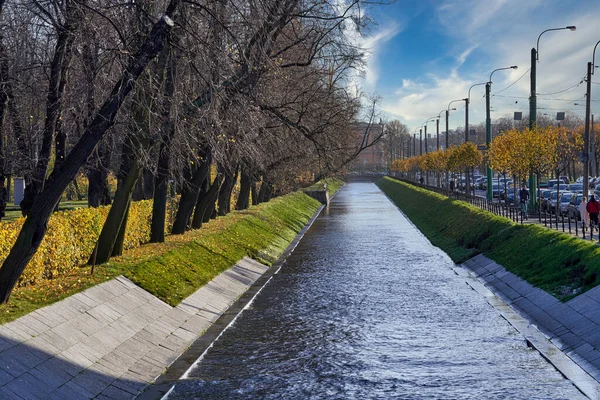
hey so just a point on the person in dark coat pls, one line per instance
(593, 208)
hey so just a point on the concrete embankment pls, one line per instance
(113, 340)
(572, 328)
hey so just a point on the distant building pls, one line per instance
(372, 158)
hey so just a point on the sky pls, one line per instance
(425, 53)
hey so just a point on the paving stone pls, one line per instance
(53, 378)
(50, 322)
(5, 377)
(130, 382)
(147, 370)
(174, 343)
(115, 287)
(74, 356)
(12, 365)
(114, 393)
(133, 322)
(126, 282)
(29, 387)
(79, 302)
(120, 359)
(100, 345)
(152, 335)
(25, 330)
(99, 294)
(594, 294)
(58, 367)
(26, 356)
(196, 324)
(7, 394)
(104, 314)
(93, 382)
(6, 344)
(162, 355)
(58, 341)
(135, 347)
(65, 393)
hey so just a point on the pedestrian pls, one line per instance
(421, 180)
(524, 198)
(593, 208)
(452, 185)
(585, 218)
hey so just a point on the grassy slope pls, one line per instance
(175, 269)
(553, 261)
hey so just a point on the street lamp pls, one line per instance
(533, 103)
(438, 128)
(447, 115)
(488, 127)
(426, 147)
(586, 136)
(467, 102)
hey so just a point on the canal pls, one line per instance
(367, 308)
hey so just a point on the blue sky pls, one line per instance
(425, 53)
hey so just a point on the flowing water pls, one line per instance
(367, 308)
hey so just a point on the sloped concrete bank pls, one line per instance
(113, 340)
(566, 334)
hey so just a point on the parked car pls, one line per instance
(573, 208)
(551, 183)
(551, 205)
(565, 199)
(576, 187)
(545, 199)
(495, 190)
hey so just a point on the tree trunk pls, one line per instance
(206, 193)
(116, 217)
(254, 193)
(224, 198)
(266, 191)
(211, 199)
(58, 75)
(97, 174)
(189, 195)
(35, 226)
(161, 183)
(3, 150)
(243, 201)
(119, 243)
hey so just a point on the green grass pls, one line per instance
(183, 263)
(558, 263)
(333, 185)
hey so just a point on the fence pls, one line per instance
(513, 212)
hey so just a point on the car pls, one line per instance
(576, 187)
(573, 207)
(565, 199)
(545, 199)
(551, 205)
(495, 190)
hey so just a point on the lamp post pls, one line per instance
(467, 102)
(488, 128)
(586, 136)
(533, 105)
(427, 121)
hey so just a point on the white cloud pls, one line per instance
(505, 32)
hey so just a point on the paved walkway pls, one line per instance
(573, 327)
(110, 341)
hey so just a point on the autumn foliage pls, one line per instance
(534, 151)
(71, 238)
(454, 159)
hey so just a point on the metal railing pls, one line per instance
(551, 220)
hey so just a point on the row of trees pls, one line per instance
(402, 145)
(161, 91)
(456, 159)
(539, 151)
